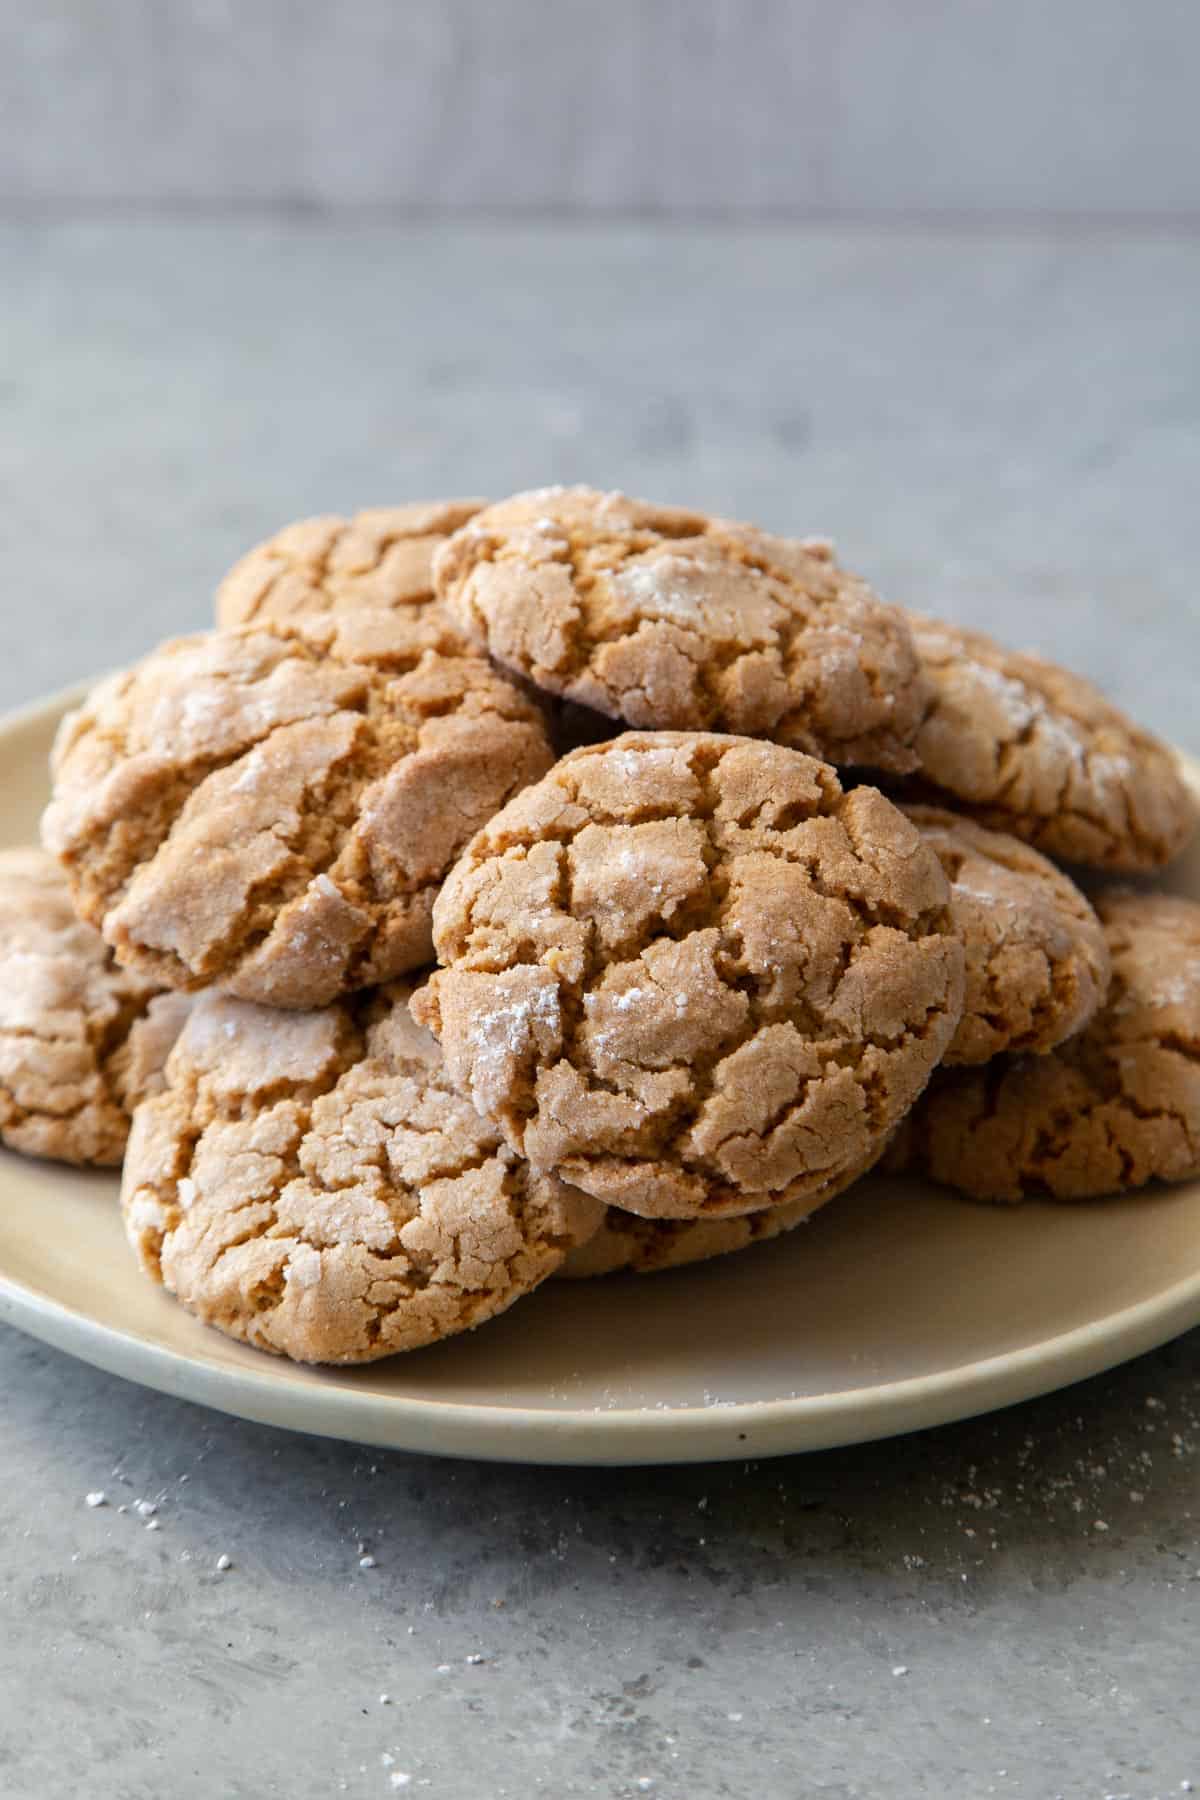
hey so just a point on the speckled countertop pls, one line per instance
(1003, 428)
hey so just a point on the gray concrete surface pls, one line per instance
(1004, 427)
(669, 106)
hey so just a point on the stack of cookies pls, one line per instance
(571, 885)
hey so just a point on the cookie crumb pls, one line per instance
(366, 1562)
(900, 1669)
(97, 1497)
(145, 1509)
(224, 1562)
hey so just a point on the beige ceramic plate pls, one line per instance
(898, 1307)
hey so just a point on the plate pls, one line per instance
(896, 1308)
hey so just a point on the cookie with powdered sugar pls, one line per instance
(82, 1040)
(1037, 963)
(670, 619)
(379, 561)
(312, 1184)
(1111, 1109)
(272, 809)
(1029, 748)
(692, 975)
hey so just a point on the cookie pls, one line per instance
(692, 976)
(380, 560)
(311, 1184)
(1031, 749)
(1037, 962)
(271, 810)
(627, 1243)
(673, 620)
(1109, 1110)
(81, 1039)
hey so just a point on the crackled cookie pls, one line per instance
(81, 1039)
(690, 975)
(272, 810)
(1031, 749)
(1037, 963)
(627, 1242)
(1112, 1109)
(378, 561)
(312, 1184)
(671, 619)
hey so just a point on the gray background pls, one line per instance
(671, 106)
(997, 413)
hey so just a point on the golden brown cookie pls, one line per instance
(693, 977)
(1031, 749)
(312, 1184)
(670, 619)
(378, 560)
(272, 810)
(81, 1039)
(627, 1243)
(1112, 1109)
(1037, 962)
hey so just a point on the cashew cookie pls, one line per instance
(1037, 960)
(627, 1243)
(380, 560)
(692, 976)
(81, 1039)
(311, 1184)
(1111, 1109)
(1034, 750)
(272, 810)
(671, 619)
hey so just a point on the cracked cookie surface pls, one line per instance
(381, 560)
(691, 975)
(272, 810)
(1030, 748)
(670, 619)
(627, 1243)
(81, 1039)
(1111, 1109)
(312, 1184)
(1037, 962)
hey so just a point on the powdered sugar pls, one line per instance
(665, 585)
(303, 1267)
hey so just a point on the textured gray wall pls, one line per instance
(1061, 106)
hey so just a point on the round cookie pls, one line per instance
(311, 1184)
(380, 560)
(1111, 1109)
(692, 976)
(1034, 750)
(627, 1243)
(1037, 963)
(674, 620)
(81, 1039)
(272, 810)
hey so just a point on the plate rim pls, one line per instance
(619, 1436)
